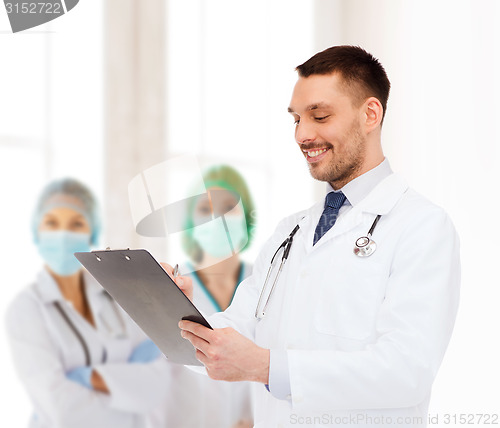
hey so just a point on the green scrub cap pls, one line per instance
(227, 178)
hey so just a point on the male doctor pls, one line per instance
(345, 340)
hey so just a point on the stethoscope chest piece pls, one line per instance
(365, 246)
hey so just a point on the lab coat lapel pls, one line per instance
(94, 293)
(344, 224)
(381, 200)
(47, 288)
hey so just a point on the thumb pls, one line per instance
(185, 283)
(169, 269)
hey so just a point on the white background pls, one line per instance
(441, 133)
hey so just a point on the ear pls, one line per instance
(373, 112)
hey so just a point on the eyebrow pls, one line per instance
(311, 107)
(73, 217)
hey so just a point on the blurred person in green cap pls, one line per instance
(219, 226)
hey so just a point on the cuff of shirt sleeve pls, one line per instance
(279, 375)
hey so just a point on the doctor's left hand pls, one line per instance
(227, 354)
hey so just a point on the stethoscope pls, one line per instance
(79, 336)
(364, 246)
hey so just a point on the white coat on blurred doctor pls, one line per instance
(45, 348)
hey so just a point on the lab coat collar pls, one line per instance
(49, 291)
(47, 288)
(381, 200)
(359, 188)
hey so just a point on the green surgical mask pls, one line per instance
(214, 240)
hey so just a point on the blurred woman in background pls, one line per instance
(219, 227)
(82, 360)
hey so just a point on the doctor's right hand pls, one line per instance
(183, 282)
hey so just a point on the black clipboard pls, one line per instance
(146, 292)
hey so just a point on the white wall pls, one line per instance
(441, 133)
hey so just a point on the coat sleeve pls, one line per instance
(135, 387)
(36, 359)
(413, 328)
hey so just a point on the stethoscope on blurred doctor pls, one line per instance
(117, 335)
(364, 246)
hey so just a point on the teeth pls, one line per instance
(315, 153)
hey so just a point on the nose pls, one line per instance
(305, 132)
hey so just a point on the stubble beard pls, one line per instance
(345, 168)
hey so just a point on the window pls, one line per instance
(51, 110)
(230, 75)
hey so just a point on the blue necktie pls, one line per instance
(333, 202)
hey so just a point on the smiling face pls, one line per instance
(335, 136)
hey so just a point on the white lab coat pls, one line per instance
(197, 401)
(364, 337)
(44, 349)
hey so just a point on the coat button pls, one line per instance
(299, 399)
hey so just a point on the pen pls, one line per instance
(176, 271)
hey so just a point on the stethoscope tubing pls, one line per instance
(370, 232)
(360, 250)
(79, 336)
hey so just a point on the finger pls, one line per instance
(197, 329)
(169, 269)
(185, 283)
(196, 341)
(201, 357)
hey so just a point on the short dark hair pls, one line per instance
(361, 72)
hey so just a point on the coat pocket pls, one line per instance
(348, 304)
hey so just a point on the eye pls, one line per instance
(50, 223)
(296, 119)
(322, 118)
(77, 225)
